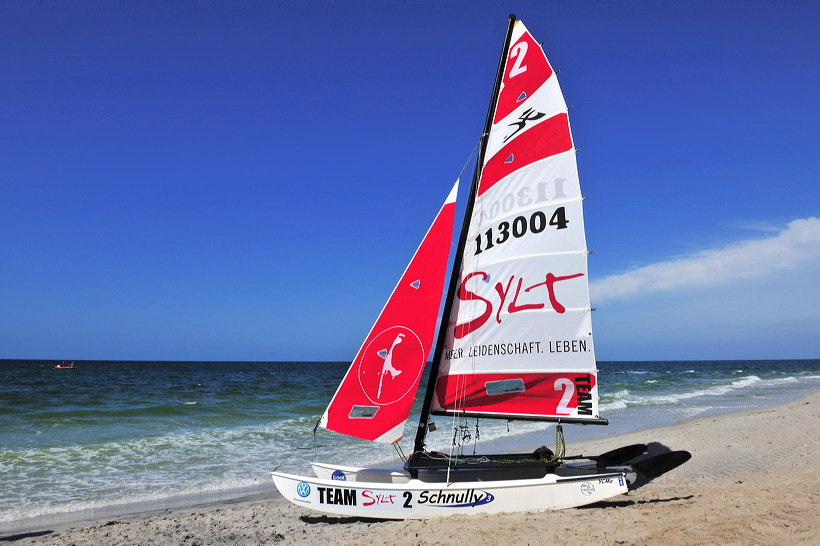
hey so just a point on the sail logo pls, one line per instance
(390, 365)
(530, 114)
(508, 299)
(463, 499)
(338, 475)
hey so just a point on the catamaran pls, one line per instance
(514, 343)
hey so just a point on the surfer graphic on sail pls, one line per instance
(390, 366)
(387, 354)
(528, 115)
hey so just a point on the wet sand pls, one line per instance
(751, 480)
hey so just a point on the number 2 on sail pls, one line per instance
(568, 387)
(518, 52)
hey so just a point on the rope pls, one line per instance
(315, 447)
(294, 451)
(560, 445)
(470, 158)
(400, 452)
(477, 436)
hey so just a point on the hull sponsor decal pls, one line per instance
(445, 499)
(337, 495)
(378, 499)
(303, 489)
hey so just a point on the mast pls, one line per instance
(421, 433)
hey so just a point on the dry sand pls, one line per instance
(751, 480)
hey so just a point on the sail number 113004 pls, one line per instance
(519, 227)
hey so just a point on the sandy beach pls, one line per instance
(751, 480)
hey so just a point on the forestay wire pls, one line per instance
(470, 158)
(315, 447)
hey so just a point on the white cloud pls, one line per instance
(798, 245)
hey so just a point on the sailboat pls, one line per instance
(514, 342)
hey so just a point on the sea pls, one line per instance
(122, 434)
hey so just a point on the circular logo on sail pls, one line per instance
(391, 365)
(303, 489)
(587, 488)
(339, 476)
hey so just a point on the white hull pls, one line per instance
(390, 494)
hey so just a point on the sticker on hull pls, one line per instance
(444, 499)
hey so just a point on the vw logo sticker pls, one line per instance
(303, 489)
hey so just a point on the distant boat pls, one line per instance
(64, 366)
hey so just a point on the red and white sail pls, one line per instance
(519, 342)
(375, 397)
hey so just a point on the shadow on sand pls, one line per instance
(35, 534)
(336, 520)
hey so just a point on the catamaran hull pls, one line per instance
(420, 499)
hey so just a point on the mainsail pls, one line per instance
(518, 339)
(375, 397)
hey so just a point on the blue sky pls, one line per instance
(202, 180)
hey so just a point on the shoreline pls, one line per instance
(731, 453)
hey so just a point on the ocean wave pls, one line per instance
(44, 481)
(615, 401)
(624, 398)
(94, 415)
(611, 406)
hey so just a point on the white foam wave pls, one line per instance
(37, 482)
(623, 399)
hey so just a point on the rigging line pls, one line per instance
(460, 406)
(298, 447)
(470, 158)
(400, 452)
(477, 434)
(315, 444)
